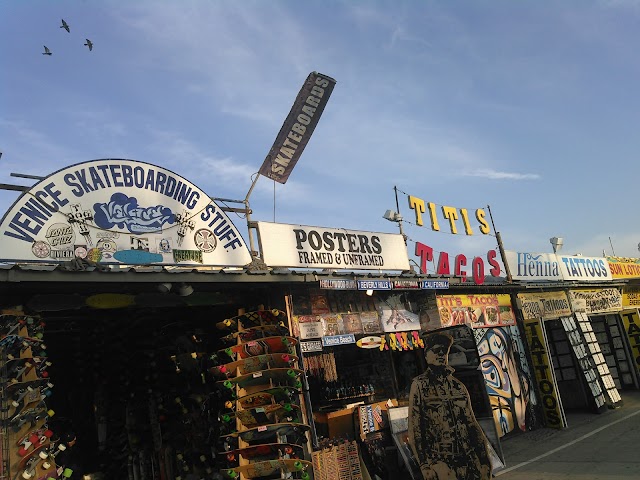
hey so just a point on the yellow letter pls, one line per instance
(417, 204)
(451, 213)
(465, 219)
(484, 226)
(434, 218)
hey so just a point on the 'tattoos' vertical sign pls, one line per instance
(551, 405)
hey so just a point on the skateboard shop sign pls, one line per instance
(319, 247)
(120, 212)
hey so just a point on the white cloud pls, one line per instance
(495, 175)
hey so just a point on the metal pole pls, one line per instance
(404, 237)
(500, 247)
(246, 204)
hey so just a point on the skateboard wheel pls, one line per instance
(297, 465)
(50, 413)
(34, 438)
(67, 472)
(228, 404)
(228, 384)
(232, 474)
(285, 340)
(286, 358)
(305, 476)
(297, 384)
(287, 407)
(26, 475)
(222, 369)
(46, 465)
(23, 451)
(48, 433)
(226, 418)
(291, 373)
(43, 455)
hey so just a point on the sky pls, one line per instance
(530, 108)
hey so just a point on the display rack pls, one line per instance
(29, 447)
(267, 427)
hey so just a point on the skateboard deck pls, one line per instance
(260, 347)
(268, 396)
(253, 319)
(253, 364)
(266, 451)
(270, 467)
(279, 376)
(274, 413)
(110, 300)
(253, 333)
(273, 433)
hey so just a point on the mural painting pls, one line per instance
(507, 383)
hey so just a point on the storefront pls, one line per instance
(571, 370)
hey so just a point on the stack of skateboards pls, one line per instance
(29, 446)
(264, 427)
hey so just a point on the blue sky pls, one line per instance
(529, 107)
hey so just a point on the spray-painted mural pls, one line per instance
(507, 377)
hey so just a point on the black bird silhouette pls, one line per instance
(89, 44)
(65, 26)
(46, 51)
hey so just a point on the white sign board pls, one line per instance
(120, 211)
(551, 267)
(319, 247)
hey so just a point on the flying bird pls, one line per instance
(46, 51)
(89, 44)
(65, 25)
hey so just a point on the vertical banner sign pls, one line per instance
(631, 321)
(298, 127)
(544, 374)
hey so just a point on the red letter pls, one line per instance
(478, 270)
(443, 264)
(491, 258)
(425, 253)
(461, 261)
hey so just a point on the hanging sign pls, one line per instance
(319, 247)
(298, 127)
(605, 300)
(547, 305)
(624, 267)
(311, 346)
(120, 211)
(551, 267)
(450, 216)
(477, 311)
(334, 340)
(631, 297)
(338, 284)
(631, 321)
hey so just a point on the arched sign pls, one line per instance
(120, 211)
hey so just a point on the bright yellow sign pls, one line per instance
(622, 267)
(631, 321)
(478, 311)
(631, 297)
(544, 374)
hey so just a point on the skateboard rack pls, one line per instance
(26, 410)
(241, 391)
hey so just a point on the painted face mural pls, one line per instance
(507, 385)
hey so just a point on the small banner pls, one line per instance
(298, 127)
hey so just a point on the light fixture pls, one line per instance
(392, 216)
(164, 287)
(369, 292)
(556, 243)
(185, 290)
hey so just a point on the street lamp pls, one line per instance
(394, 216)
